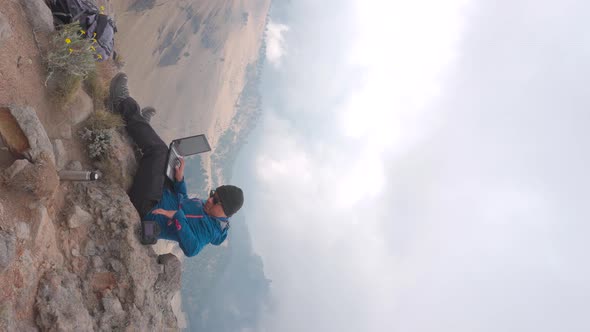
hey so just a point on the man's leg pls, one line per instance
(148, 183)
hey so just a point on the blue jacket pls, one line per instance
(191, 227)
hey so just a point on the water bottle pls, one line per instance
(78, 175)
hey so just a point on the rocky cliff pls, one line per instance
(70, 256)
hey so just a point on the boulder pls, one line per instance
(43, 236)
(28, 270)
(169, 280)
(64, 131)
(74, 165)
(7, 317)
(5, 29)
(90, 248)
(60, 154)
(81, 107)
(39, 179)
(124, 157)
(79, 217)
(38, 140)
(15, 168)
(97, 263)
(114, 316)
(7, 249)
(102, 281)
(23, 231)
(39, 15)
(59, 304)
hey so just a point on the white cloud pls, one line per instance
(477, 219)
(276, 46)
(324, 197)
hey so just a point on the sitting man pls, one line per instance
(191, 222)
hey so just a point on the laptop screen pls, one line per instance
(192, 145)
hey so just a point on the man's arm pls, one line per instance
(179, 184)
(187, 240)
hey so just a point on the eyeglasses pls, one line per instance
(216, 199)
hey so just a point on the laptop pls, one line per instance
(184, 147)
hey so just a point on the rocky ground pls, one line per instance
(70, 256)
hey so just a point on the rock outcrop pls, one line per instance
(5, 30)
(7, 249)
(34, 131)
(76, 254)
(123, 284)
(38, 179)
(39, 15)
(60, 303)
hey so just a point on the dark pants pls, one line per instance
(149, 180)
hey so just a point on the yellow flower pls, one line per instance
(99, 56)
(83, 32)
(92, 48)
(71, 50)
(101, 7)
(93, 40)
(94, 35)
(68, 40)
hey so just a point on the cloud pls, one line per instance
(445, 187)
(276, 46)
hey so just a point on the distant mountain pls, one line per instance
(188, 59)
(141, 5)
(225, 289)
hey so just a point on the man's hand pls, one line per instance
(179, 170)
(167, 213)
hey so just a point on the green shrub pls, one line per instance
(70, 52)
(97, 132)
(99, 142)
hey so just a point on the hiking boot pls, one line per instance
(118, 91)
(148, 112)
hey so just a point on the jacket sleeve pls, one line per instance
(188, 242)
(219, 240)
(180, 187)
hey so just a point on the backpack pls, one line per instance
(96, 25)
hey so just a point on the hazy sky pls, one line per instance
(424, 166)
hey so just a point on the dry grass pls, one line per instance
(62, 88)
(103, 120)
(97, 83)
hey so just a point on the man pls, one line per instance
(191, 222)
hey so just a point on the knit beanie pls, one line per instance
(231, 198)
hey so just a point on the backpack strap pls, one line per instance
(101, 23)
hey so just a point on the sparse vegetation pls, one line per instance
(97, 132)
(101, 120)
(70, 58)
(70, 52)
(94, 87)
(63, 88)
(97, 82)
(99, 142)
